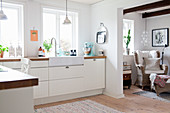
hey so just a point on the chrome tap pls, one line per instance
(55, 45)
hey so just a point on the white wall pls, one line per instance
(156, 23)
(108, 13)
(33, 18)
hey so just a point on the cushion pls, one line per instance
(152, 63)
(146, 54)
(154, 71)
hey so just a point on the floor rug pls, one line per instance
(86, 106)
(162, 97)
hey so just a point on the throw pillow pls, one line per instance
(152, 63)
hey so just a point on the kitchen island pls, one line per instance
(16, 91)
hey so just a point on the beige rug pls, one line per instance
(86, 106)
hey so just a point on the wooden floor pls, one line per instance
(130, 104)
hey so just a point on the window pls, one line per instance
(128, 24)
(66, 35)
(11, 30)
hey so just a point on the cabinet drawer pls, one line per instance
(41, 90)
(41, 73)
(65, 72)
(14, 65)
(65, 86)
(126, 76)
(39, 63)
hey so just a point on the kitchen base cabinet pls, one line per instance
(94, 74)
(41, 90)
(66, 86)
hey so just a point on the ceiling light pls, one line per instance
(66, 21)
(2, 15)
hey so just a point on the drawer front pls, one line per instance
(39, 64)
(65, 86)
(126, 77)
(65, 72)
(41, 90)
(41, 73)
(13, 65)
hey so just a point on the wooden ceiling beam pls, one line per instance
(148, 6)
(156, 13)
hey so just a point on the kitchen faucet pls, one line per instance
(55, 45)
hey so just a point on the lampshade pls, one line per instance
(3, 16)
(66, 21)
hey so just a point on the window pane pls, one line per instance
(66, 35)
(9, 27)
(49, 26)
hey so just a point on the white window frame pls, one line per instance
(20, 9)
(58, 12)
(131, 27)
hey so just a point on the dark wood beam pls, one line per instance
(156, 13)
(148, 6)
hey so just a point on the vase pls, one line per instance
(2, 54)
(47, 53)
(127, 51)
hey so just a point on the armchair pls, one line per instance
(142, 73)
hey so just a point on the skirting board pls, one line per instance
(117, 96)
(67, 97)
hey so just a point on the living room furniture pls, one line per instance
(127, 75)
(142, 73)
(161, 90)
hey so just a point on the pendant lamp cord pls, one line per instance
(66, 7)
(1, 5)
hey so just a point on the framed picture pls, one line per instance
(160, 37)
(34, 35)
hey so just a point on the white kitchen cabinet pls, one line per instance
(66, 86)
(41, 73)
(66, 72)
(94, 74)
(35, 64)
(13, 65)
(41, 90)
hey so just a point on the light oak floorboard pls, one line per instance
(130, 104)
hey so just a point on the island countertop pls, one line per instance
(10, 78)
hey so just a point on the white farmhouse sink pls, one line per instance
(66, 61)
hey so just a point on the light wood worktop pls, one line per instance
(43, 58)
(10, 78)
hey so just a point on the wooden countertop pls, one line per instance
(10, 78)
(43, 58)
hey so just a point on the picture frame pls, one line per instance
(160, 37)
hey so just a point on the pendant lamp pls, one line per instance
(2, 15)
(66, 21)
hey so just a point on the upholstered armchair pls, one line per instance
(143, 73)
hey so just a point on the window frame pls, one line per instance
(58, 12)
(20, 10)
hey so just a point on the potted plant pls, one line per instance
(127, 41)
(47, 47)
(2, 50)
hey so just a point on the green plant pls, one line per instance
(127, 39)
(3, 48)
(47, 45)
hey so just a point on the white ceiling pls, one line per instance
(87, 1)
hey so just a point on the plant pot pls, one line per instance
(127, 51)
(2, 54)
